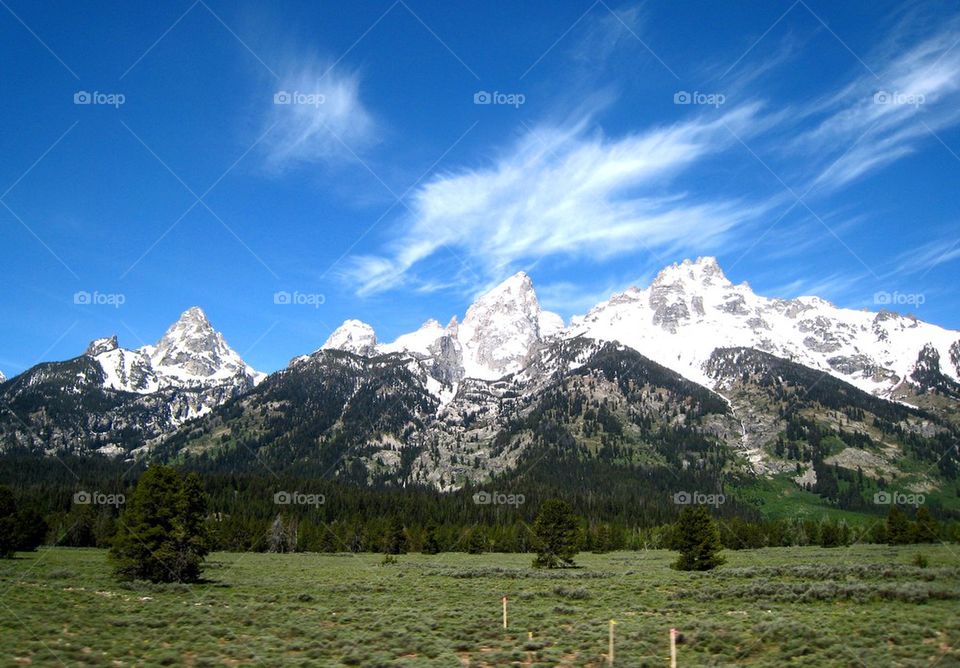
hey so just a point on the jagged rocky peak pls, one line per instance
(192, 350)
(502, 327)
(927, 376)
(702, 271)
(927, 367)
(102, 345)
(191, 333)
(677, 293)
(353, 336)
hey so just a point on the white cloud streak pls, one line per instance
(560, 191)
(927, 256)
(918, 93)
(316, 116)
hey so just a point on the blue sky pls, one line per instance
(812, 147)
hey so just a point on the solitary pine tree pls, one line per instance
(602, 540)
(161, 535)
(556, 535)
(698, 540)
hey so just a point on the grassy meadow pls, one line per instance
(867, 605)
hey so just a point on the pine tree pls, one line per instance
(31, 530)
(829, 534)
(395, 540)
(161, 535)
(927, 529)
(556, 534)
(898, 527)
(477, 541)
(698, 540)
(601, 543)
(431, 542)
(8, 523)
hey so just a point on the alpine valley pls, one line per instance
(692, 374)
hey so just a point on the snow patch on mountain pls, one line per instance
(125, 370)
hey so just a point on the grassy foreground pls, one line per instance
(861, 606)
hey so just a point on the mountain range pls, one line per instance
(691, 372)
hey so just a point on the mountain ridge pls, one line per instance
(688, 310)
(690, 371)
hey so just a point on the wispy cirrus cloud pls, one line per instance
(873, 121)
(833, 287)
(571, 193)
(564, 191)
(927, 256)
(316, 115)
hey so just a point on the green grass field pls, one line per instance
(861, 606)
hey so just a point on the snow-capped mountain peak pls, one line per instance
(497, 336)
(191, 351)
(353, 336)
(691, 308)
(191, 354)
(102, 345)
(418, 341)
(501, 328)
(705, 271)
